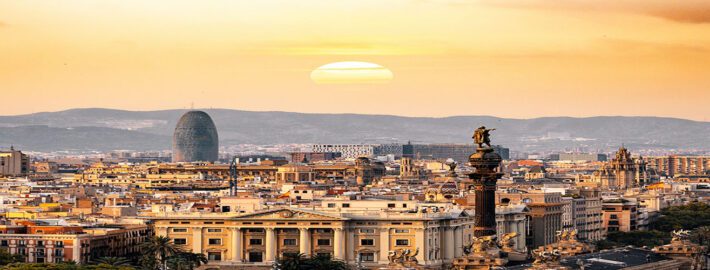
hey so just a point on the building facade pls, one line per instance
(261, 237)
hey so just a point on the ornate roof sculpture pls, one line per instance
(682, 249)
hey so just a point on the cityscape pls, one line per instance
(354, 135)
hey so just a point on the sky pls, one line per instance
(507, 58)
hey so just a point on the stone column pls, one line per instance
(421, 244)
(458, 242)
(338, 244)
(270, 245)
(304, 244)
(350, 247)
(197, 240)
(237, 244)
(448, 244)
(384, 245)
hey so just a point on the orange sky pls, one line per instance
(509, 58)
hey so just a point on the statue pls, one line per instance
(411, 258)
(482, 136)
(680, 235)
(506, 242)
(400, 257)
(452, 167)
(545, 257)
(393, 257)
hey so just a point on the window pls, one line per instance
(255, 241)
(214, 230)
(367, 257)
(59, 244)
(58, 259)
(331, 205)
(178, 230)
(401, 231)
(40, 243)
(391, 205)
(402, 242)
(367, 230)
(214, 256)
(324, 242)
(367, 242)
(289, 242)
(404, 205)
(256, 256)
(215, 241)
(21, 243)
(180, 241)
(3, 243)
(346, 205)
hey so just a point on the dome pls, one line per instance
(195, 138)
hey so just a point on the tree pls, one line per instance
(685, 217)
(701, 235)
(291, 262)
(300, 262)
(161, 248)
(113, 261)
(62, 266)
(186, 261)
(325, 262)
(7, 258)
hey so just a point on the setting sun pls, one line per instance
(351, 72)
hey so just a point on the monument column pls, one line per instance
(458, 241)
(270, 245)
(304, 244)
(338, 247)
(486, 163)
(237, 244)
(350, 254)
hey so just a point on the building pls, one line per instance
(14, 163)
(457, 152)
(680, 165)
(366, 234)
(44, 244)
(346, 150)
(620, 215)
(578, 157)
(545, 213)
(307, 157)
(195, 138)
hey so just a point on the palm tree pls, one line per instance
(186, 261)
(296, 261)
(326, 262)
(113, 261)
(702, 235)
(160, 247)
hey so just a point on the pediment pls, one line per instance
(291, 214)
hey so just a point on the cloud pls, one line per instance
(3, 24)
(687, 11)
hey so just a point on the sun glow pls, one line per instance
(351, 72)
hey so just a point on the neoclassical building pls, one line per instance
(257, 239)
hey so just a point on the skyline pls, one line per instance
(531, 59)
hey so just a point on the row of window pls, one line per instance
(40, 243)
(291, 242)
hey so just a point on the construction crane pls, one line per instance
(233, 176)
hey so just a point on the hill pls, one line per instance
(105, 129)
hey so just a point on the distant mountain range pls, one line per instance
(106, 129)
